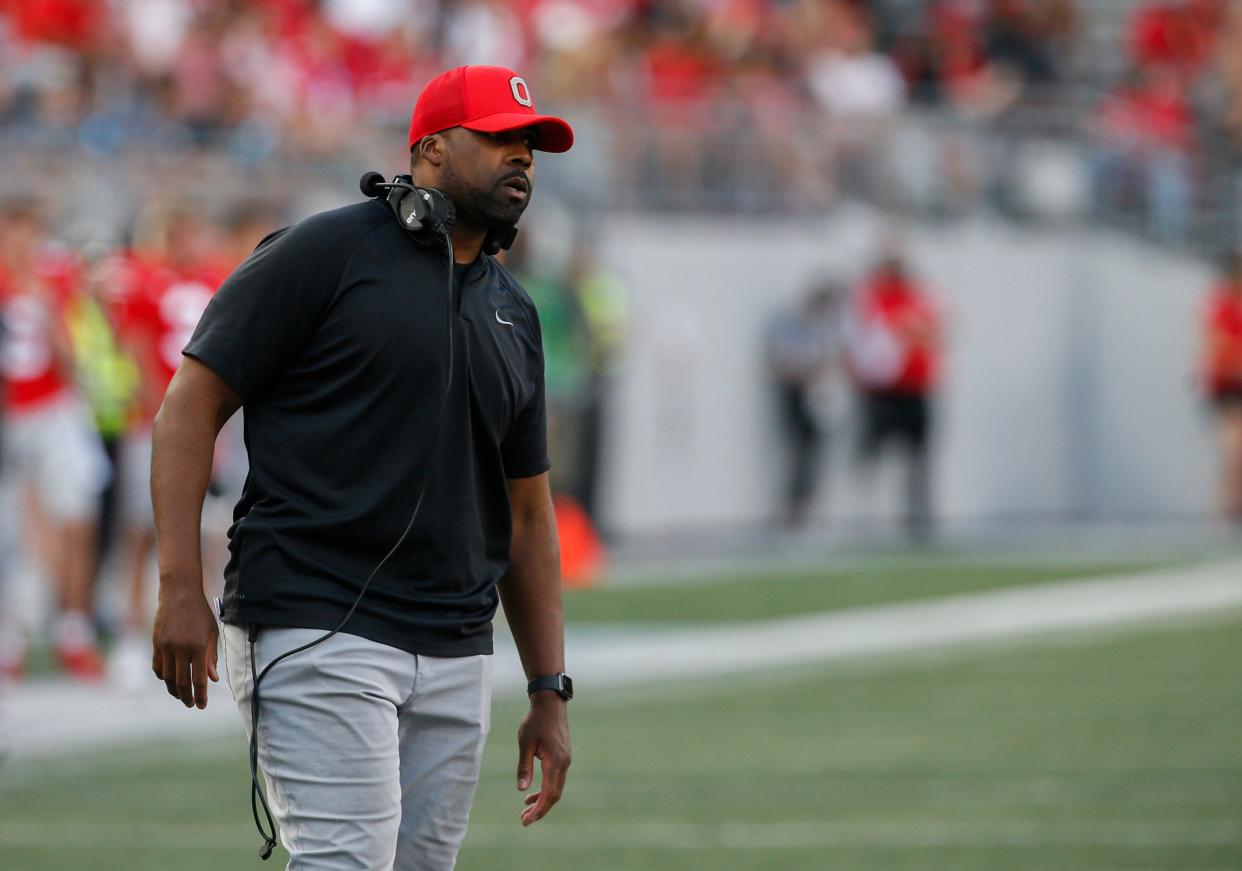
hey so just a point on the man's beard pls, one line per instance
(488, 208)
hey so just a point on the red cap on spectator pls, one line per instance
(486, 99)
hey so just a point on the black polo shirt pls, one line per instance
(335, 333)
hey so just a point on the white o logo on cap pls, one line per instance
(521, 92)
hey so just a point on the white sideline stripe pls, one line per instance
(45, 719)
(998, 615)
(686, 836)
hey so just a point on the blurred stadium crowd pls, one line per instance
(738, 104)
(151, 143)
(299, 75)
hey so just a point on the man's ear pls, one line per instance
(431, 149)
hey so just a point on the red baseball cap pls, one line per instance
(486, 99)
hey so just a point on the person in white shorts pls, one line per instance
(54, 467)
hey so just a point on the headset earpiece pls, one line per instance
(427, 210)
(499, 240)
(421, 210)
(443, 212)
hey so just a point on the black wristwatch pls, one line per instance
(561, 684)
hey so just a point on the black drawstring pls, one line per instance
(256, 793)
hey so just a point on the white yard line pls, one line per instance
(43, 719)
(654, 834)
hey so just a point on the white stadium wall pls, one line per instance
(1067, 396)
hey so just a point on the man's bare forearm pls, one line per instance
(197, 404)
(531, 590)
(531, 593)
(181, 454)
(182, 445)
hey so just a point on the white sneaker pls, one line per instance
(12, 657)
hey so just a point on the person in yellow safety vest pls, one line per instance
(602, 301)
(106, 375)
(103, 370)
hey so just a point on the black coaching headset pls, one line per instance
(427, 210)
(428, 215)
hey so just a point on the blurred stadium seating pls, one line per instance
(930, 108)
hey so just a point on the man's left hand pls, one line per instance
(543, 735)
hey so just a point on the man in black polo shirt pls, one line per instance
(360, 405)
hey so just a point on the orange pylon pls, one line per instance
(582, 553)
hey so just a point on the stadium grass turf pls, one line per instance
(760, 596)
(1114, 752)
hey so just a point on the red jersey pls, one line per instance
(162, 309)
(897, 349)
(1180, 35)
(1223, 361)
(32, 317)
(73, 23)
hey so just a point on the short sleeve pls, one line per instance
(266, 310)
(524, 451)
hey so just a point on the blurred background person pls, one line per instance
(1145, 140)
(895, 359)
(1222, 369)
(862, 93)
(12, 636)
(601, 300)
(104, 372)
(175, 268)
(564, 351)
(54, 464)
(248, 223)
(582, 315)
(1177, 34)
(805, 350)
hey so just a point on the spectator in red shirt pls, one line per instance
(1222, 377)
(75, 24)
(677, 76)
(170, 285)
(1179, 34)
(1145, 137)
(894, 341)
(52, 455)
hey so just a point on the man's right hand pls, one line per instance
(184, 644)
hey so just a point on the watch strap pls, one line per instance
(558, 683)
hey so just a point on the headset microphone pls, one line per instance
(371, 184)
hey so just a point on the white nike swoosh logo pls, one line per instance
(501, 320)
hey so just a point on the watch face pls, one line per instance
(567, 687)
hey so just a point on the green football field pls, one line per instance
(1121, 751)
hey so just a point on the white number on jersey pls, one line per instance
(181, 306)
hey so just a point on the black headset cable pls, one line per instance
(257, 798)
